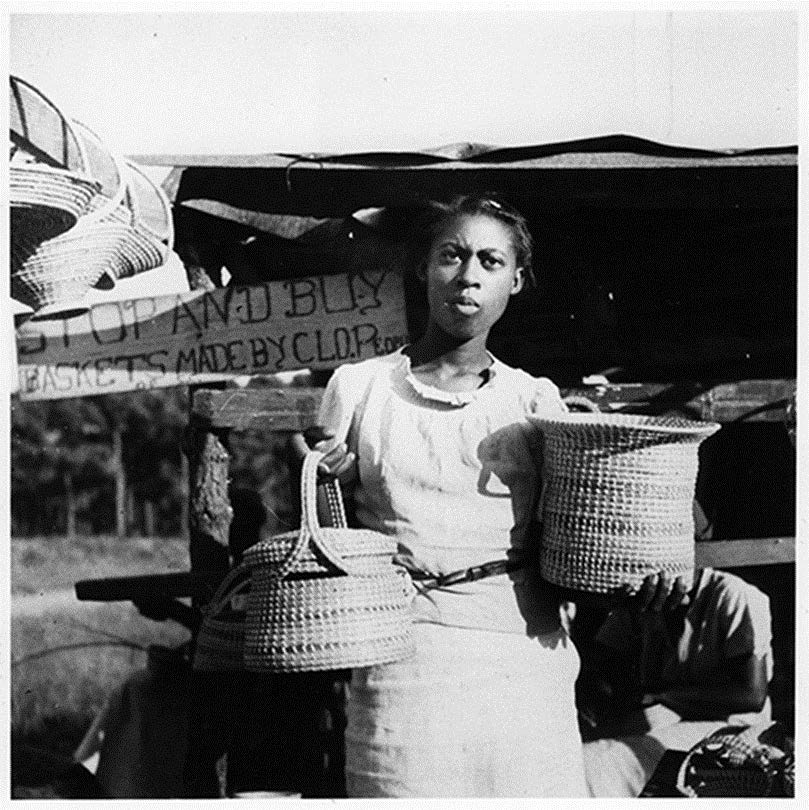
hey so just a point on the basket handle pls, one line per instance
(223, 593)
(310, 525)
(580, 401)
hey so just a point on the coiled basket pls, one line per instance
(325, 598)
(617, 498)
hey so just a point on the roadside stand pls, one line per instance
(665, 310)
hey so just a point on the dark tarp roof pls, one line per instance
(612, 171)
(662, 261)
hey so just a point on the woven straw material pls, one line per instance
(64, 269)
(220, 640)
(325, 598)
(368, 552)
(150, 239)
(139, 251)
(327, 623)
(219, 643)
(617, 498)
(45, 202)
(718, 782)
(737, 761)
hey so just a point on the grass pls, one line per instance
(67, 655)
(41, 564)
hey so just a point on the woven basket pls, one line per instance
(220, 639)
(151, 236)
(725, 763)
(58, 272)
(325, 598)
(51, 184)
(45, 201)
(617, 498)
(63, 269)
(219, 644)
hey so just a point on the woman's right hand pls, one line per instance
(338, 461)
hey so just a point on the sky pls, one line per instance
(360, 76)
(413, 75)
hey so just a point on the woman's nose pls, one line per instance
(468, 272)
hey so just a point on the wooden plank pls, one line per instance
(742, 553)
(258, 408)
(316, 322)
(178, 584)
(750, 400)
(753, 400)
(295, 408)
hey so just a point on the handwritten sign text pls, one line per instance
(196, 337)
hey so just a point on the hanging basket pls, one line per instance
(50, 181)
(57, 273)
(62, 270)
(325, 598)
(150, 236)
(617, 500)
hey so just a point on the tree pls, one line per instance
(74, 460)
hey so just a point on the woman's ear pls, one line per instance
(519, 281)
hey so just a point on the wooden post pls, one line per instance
(148, 518)
(120, 481)
(210, 511)
(185, 490)
(210, 515)
(70, 506)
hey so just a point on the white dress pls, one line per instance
(486, 706)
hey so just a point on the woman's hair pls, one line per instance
(437, 214)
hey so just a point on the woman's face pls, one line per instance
(471, 273)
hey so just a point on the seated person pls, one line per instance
(666, 678)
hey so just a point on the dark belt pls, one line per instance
(488, 569)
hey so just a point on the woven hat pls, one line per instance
(325, 598)
(617, 497)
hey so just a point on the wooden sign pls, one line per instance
(204, 336)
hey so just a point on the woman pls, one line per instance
(434, 440)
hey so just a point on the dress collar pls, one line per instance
(457, 398)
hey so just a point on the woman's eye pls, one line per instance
(492, 262)
(448, 255)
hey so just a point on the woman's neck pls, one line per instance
(448, 364)
(436, 349)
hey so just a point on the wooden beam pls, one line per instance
(743, 553)
(295, 408)
(177, 584)
(747, 400)
(258, 408)
(709, 553)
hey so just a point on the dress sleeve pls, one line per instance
(547, 399)
(339, 404)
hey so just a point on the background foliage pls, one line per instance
(70, 457)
